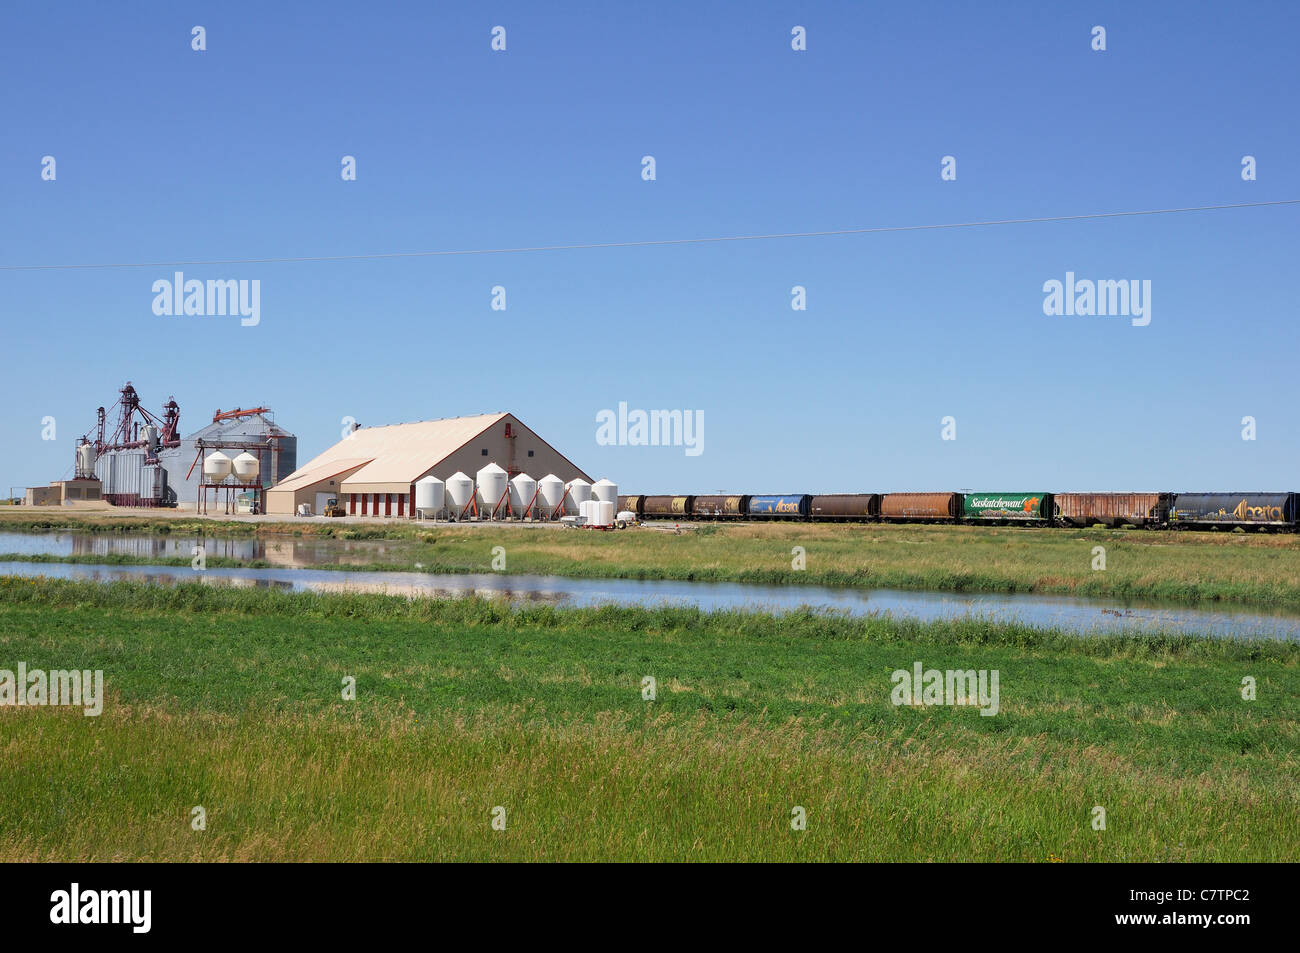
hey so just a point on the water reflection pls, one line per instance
(1081, 616)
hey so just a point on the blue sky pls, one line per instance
(164, 153)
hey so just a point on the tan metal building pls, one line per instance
(63, 491)
(373, 471)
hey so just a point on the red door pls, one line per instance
(400, 500)
(388, 504)
(365, 504)
(352, 503)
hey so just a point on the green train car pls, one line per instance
(1007, 507)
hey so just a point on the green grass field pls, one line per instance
(231, 699)
(1260, 570)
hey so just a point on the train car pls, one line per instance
(632, 504)
(911, 507)
(1007, 507)
(769, 507)
(666, 507)
(719, 507)
(844, 507)
(1233, 509)
(1112, 509)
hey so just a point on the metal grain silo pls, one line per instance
(245, 467)
(579, 492)
(550, 489)
(492, 486)
(430, 493)
(85, 461)
(523, 489)
(460, 490)
(216, 467)
(606, 490)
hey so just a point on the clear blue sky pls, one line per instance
(164, 153)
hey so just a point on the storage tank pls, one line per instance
(492, 484)
(603, 513)
(522, 490)
(246, 467)
(605, 490)
(150, 437)
(550, 489)
(216, 467)
(430, 493)
(586, 509)
(579, 491)
(85, 462)
(460, 490)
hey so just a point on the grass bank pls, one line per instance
(1259, 570)
(231, 699)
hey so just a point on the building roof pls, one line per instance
(253, 428)
(308, 475)
(398, 453)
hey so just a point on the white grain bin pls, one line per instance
(604, 511)
(579, 492)
(216, 467)
(246, 467)
(492, 483)
(86, 462)
(430, 493)
(150, 437)
(460, 490)
(550, 489)
(522, 490)
(605, 490)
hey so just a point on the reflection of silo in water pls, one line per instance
(87, 544)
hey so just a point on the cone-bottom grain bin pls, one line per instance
(430, 494)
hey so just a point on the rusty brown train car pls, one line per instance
(720, 507)
(670, 507)
(945, 507)
(1112, 509)
(845, 507)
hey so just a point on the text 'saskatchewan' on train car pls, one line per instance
(905, 507)
(666, 507)
(845, 506)
(793, 507)
(1112, 509)
(1234, 509)
(719, 507)
(999, 507)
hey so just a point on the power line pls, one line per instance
(649, 242)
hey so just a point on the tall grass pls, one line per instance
(230, 699)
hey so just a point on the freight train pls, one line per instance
(1042, 508)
